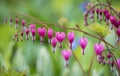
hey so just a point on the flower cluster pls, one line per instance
(104, 15)
(30, 31)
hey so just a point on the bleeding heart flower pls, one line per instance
(83, 43)
(60, 36)
(27, 32)
(54, 43)
(99, 48)
(32, 26)
(23, 24)
(16, 23)
(118, 63)
(71, 38)
(42, 33)
(50, 34)
(66, 55)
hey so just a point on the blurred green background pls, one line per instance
(35, 59)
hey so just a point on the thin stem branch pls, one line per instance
(106, 5)
(91, 63)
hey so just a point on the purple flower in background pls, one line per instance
(83, 5)
(75, 43)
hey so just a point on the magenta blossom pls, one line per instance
(32, 26)
(27, 32)
(60, 36)
(83, 43)
(118, 63)
(71, 38)
(54, 43)
(42, 33)
(23, 24)
(16, 23)
(118, 34)
(33, 31)
(66, 55)
(50, 34)
(99, 48)
(113, 21)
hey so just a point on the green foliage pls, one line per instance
(100, 29)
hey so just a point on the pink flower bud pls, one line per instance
(16, 23)
(66, 55)
(54, 43)
(99, 48)
(60, 36)
(42, 33)
(50, 34)
(71, 38)
(83, 43)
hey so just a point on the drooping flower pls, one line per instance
(42, 33)
(118, 34)
(83, 43)
(16, 23)
(112, 65)
(97, 12)
(113, 21)
(105, 11)
(54, 43)
(118, 63)
(27, 32)
(109, 55)
(117, 23)
(50, 34)
(107, 16)
(32, 26)
(60, 36)
(70, 38)
(23, 24)
(100, 14)
(66, 55)
(33, 31)
(92, 14)
(99, 48)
